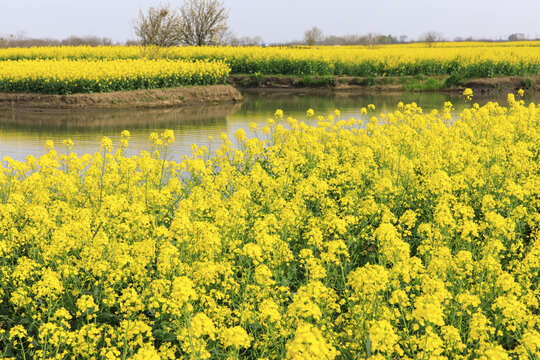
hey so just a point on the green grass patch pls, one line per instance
(429, 84)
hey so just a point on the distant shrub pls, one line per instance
(429, 84)
(306, 81)
(327, 80)
(529, 83)
(256, 79)
(369, 81)
(454, 80)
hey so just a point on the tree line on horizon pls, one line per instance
(204, 22)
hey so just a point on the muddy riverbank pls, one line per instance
(152, 98)
(385, 84)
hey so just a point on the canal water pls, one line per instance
(24, 132)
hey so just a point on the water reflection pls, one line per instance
(102, 120)
(25, 132)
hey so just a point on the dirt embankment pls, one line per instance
(213, 94)
(504, 84)
(385, 84)
(154, 98)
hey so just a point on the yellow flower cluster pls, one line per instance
(404, 235)
(468, 93)
(64, 76)
(309, 344)
(466, 58)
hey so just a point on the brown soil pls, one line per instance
(501, 84)
(386, 84)
(154, 98)
(213, 94)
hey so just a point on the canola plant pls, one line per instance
(404, 235)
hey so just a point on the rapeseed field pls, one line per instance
(64, 76)
(404, 235)
(467, 59)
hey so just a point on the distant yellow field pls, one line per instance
(469, 59)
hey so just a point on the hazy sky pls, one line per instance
(283, 20)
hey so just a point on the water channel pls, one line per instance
(24, 132)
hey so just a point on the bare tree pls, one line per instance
(245, 41)
(369, 39)
(159, 26)
(431, 37)
(516, 37)
(89, 40)
(19, 40)
(203, 22)
(313, 36)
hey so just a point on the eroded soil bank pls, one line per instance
(385, 84)
(153, 98)
(214, 94)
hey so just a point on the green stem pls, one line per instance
(101, 178)
(163, 167)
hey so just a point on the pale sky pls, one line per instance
(284, 20)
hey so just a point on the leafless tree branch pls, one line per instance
(203, 22)
(159, 26)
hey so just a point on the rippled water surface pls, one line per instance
(24, 132)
